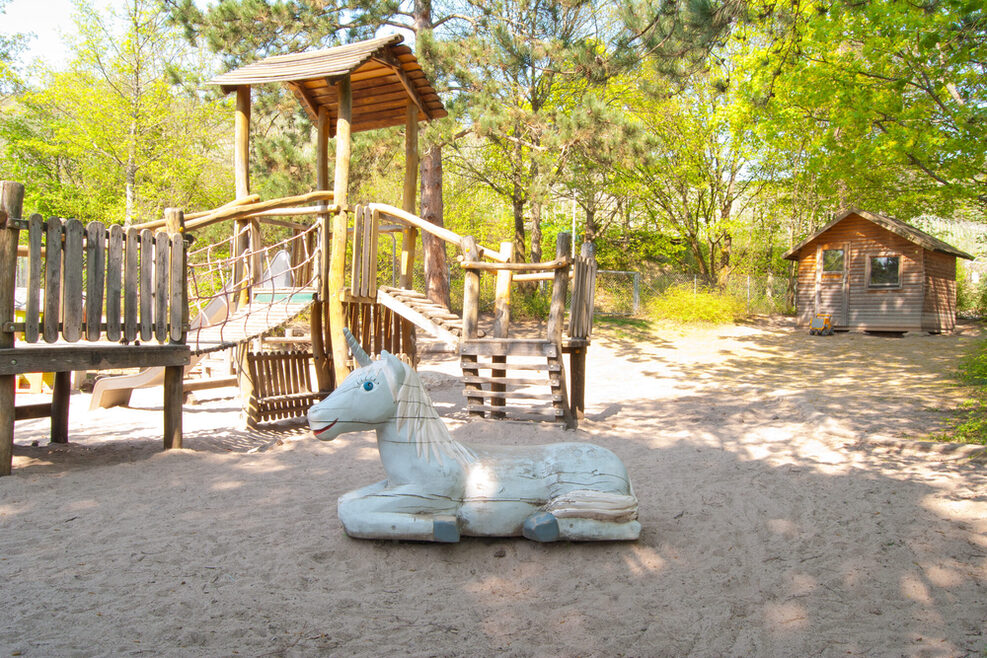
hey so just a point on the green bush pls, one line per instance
(531, 304)
(681, 303)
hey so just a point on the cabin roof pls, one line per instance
(896, 226)
(385, 75)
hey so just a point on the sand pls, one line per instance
(787, 510)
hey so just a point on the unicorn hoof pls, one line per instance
(542, 527)
(445, 530)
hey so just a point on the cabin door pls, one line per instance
(832, 281)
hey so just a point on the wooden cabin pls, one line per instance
(876, 273)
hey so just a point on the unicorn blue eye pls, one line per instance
(368, 386)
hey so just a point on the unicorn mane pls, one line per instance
(416, 416)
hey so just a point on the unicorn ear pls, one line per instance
(394, 364)
(394, 371)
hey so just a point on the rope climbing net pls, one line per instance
(235, 297)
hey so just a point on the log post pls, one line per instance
(173, 398)
(556, 319)
(556, 311)
(316, 324)
(501, 324)
(173, 394)
(337, 260)
(61, 394)
(241, 176)
(471, 318)
(409, 237)
(11, 200)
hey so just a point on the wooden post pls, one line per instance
(316, 324)
(501, 325)
(581, 313)
(241, 175)
(409, 237)
(60, 397)
(173, 399)
(11, 200)
(337, 262)
(556, 311)
(471, 318)
(556, 319)
(174, 220)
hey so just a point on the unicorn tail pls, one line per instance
(598, 505)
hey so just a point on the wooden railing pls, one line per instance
(102, 281)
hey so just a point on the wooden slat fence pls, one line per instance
(93, 272)
(363, 278)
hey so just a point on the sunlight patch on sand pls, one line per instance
(786, 616)
(643, 560)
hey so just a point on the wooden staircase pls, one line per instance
(434, 319)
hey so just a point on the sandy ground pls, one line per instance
(787, 511)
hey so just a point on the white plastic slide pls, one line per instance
(116, 390)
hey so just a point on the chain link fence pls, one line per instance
(618, 293)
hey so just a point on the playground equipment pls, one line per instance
(237, 296)
(361, 86)
(438, 489)
(122, 293)
(821, 325)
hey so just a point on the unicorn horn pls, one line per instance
(358, 353)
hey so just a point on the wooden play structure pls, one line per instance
(243, 289)
(98, 297)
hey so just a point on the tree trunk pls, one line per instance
(131, 175)
(535, 231)
(517, 205)
(434, 249)
(590, 227)
(430, 173)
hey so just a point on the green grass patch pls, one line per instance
(684, 304)
(969, 424)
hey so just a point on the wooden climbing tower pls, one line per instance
(365, 85)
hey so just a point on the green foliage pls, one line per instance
(531, 303)
(111, 137)
(892, 92)
(680, 303)
(969, 424)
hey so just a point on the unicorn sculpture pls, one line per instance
(438, 489)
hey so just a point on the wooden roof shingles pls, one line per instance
(896, 226)
(384, 73)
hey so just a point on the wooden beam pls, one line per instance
(409, 237)
(256, 209)
(11, 201)
(387, 59)
(438, 231)
(65, 357)
(557, 264)
(241, 144)
(311, 107)
(337, 263)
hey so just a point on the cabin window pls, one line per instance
(885, 272)
(833, 260)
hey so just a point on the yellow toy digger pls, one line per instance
(821, 325)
